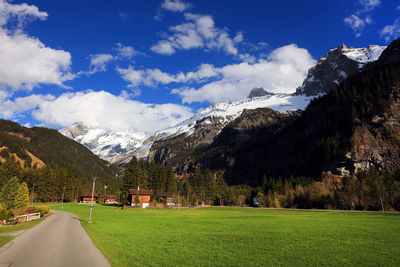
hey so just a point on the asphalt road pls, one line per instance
(58, 241)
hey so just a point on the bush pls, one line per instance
(30, 210)
(10, 214)
(3, 214)
(43, 210)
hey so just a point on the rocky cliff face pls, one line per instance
(377, 142)
(184, 141)
(258, 92)
(338, 64)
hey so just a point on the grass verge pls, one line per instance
(5, 239)
(20, 226)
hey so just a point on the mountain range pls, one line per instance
(203, 128)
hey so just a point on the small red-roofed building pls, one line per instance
(86, 197)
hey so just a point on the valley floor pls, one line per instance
(242, 237)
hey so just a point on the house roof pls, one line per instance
(89, 194)
(165, 194)
(111, 196)
(140, 192)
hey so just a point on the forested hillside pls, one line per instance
(48, 161)
(51, 147)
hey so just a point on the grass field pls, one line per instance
(242, 237)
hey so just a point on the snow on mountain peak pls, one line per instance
(364, 55)
(107, 144)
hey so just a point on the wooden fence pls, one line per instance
(22, 219)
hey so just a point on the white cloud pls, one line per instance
(25, 61)
(102, 109)
(398, 7)
(99, 62)
(163, 47)
(358, 21)
(282, 72)
(238, 38)
(247, 58)
(134, 77)
(152, 77)
(390, 32)
(126, 52)
(124, 15)
(175, 5)
(21, 12)
(198, 31)
(357, 24)
(368, 5)
(10, 109)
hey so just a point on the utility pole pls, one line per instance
(62, 200)
(33, 191)
(91, 202)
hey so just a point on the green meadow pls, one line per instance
(242, 237)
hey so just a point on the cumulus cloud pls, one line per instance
(175, 5)
(25, 61)
(198, 31)
(9, 109)
(392, 31)
(282, 72)
(153, 77)
(104, 110)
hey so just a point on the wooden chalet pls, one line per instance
(144, 197)
(110, 199)
(86, 197)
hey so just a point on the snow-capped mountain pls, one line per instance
(338, 64)
(112, 146)
(219, 115)
(119, 147)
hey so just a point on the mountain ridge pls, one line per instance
(341, 61)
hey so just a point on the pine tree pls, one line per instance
(9, 193)
(22, 198)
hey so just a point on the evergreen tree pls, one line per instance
(22, 198)
(9, 193)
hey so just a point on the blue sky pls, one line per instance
(146, 65)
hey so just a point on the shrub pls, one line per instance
(3, 214)
(10, 214)
(30, 210)
(43, 210)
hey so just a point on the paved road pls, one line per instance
(58, 241)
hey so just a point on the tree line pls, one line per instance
(49, 184)
(368, 190)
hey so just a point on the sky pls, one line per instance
(146, 65)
